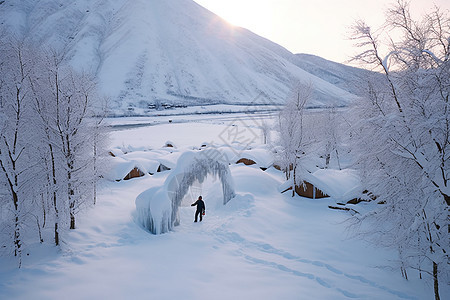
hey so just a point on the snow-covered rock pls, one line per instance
(341, 185)
(119, 168)
(262, 157)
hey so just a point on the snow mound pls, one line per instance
(119, 168)
(157, 208)
(261, 157)
(341, 185)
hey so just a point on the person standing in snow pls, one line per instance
(200, 208)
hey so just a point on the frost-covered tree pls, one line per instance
(51, 141)
(17, 166)
(293, 136)
(265, 130)
(44, 90)
(330, 137)
(75, 132)
(402, 138)
(72, 134)
(98, 140)
(324, 131)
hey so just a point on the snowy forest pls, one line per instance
(52, 142)
(400, 135)
(403, 140)
(55, 153)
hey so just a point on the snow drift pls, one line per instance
(157, 208)
(341, 185)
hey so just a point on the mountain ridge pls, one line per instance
(147, 52)
(346, 77)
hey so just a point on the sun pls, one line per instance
(255, 15)
(238, 15)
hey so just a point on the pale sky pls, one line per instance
(317, 27)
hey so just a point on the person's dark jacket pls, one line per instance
(200, 205)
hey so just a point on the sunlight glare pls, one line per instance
(252, 14)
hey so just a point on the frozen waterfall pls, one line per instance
(157, 208)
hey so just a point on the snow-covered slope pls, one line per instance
(148, 52)
(260, 245)
(345, 77)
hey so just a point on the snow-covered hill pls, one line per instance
(345, 77)
(148, 52)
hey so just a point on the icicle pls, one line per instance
(157, 209)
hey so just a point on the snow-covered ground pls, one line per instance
(261, 245)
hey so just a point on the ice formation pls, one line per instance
(157, 208)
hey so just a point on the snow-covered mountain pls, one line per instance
(345, 77)
(148, 52)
